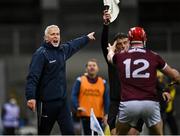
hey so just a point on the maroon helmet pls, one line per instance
(137, 35)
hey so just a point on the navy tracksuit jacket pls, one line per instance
(47, 71)
(46, 82)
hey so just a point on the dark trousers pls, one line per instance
(113, 112)
(50, 112)
(86, 125)
(171, 121)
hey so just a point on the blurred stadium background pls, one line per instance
(22, 23)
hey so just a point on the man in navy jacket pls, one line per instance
(46, 80)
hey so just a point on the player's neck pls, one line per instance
(137, 45)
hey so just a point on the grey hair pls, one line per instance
(48, 27)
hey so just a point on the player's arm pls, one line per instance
(171, 72)
(168, 70)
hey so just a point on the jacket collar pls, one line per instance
(49, 46)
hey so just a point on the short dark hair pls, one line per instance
(120, 36)
(92, 60)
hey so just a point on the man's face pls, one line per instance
(53, 36)
(122, 44)
(92, 68)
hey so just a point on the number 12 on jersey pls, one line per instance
(137, 72)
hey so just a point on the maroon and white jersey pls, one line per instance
(137, 73)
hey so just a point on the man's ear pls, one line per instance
(97, 69)
(45, 38)
(86, 70)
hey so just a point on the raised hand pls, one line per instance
(106, 17)
(111, 51)
(112, 48)
(91, 36)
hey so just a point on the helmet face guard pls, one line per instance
(137, 35)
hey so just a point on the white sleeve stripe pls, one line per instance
(104, 81)
(164, 66)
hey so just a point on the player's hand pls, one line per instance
(81, 109)
(166, 96)
(31, 104)
(91, 36)
(106, 17)
(112, 48)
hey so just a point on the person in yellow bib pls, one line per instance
(90, 91)
(167, 108)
